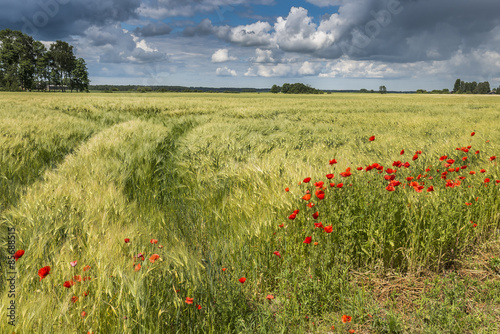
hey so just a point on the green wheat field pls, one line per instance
(194, 213)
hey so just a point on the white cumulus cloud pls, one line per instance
(225, 72)
(222, 56)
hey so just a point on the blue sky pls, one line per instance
(329, 44)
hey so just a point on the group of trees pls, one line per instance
(296, 88)
(25, 64)
(462, 87)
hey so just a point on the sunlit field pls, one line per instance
(250, 213)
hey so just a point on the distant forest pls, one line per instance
(296, 88)
(178, 89)
(26, 64)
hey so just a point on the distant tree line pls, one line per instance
(434, 91)
(173, 89)
(26, 64)
(296, 88)
(462, 87)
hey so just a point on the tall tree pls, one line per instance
(26, 64)
(382, 90)
(286, 87)
(483, 88)
(64, 60)
(41, 65)
(9, 58)
(456, 87)
(275, 89)
(80, 79)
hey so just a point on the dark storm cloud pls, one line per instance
(116, 45)
(160, 9)
(53, 19)
(411, 30)
(382, 30)
(204, 28)
(153, 29)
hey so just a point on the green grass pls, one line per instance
(205, 175)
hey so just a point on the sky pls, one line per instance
(328, 44)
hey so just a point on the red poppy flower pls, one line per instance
(328, 229)
(395, 183)
(86, 268)
(188, 300)
(486, 180)
(347, 172)
(224, 269)
(43, 272)
(320, 194)
(482, 171)
(19, 254)
(307, 240)
(431, 188)
(77, 278)
(468, 204)
(351, 331)
(402, 152)
(415, 157)
(307, 179)
(269, 297)
(472, 134)
(198, 307)
(492, 158)
(390, 188)
(138, 267)
(372, 138)
(319, 184)
(359, 168)
(154, 241)
(292, 216)
(497, 181)
(332, 185)
(281, 225)
(346, 318)
(73, 263)
(333, 161)
(330, 176)
(464, 158)
(477, 152)
(318, 225)
(127, 240)
(153, 258)
(68, 284)
(306, 197)
(316, 215)
(74, 299)
(277, 253)
(310, 204)
(340, 185)
(287, 190)
(242, 280)
(295, 211)
(472, 172)
(83, 314)
(443, 157)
